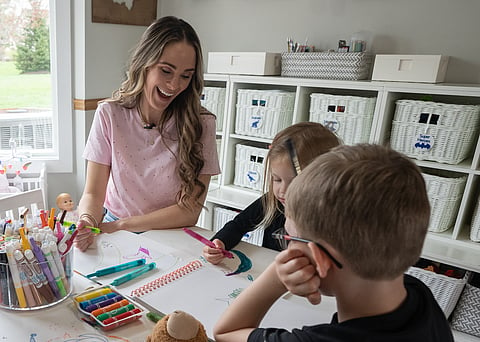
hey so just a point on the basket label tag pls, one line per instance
(256, 121)
(331, 124)
(424, 142)
(252, 176)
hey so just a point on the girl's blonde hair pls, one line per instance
(310, 139)
(185, 108)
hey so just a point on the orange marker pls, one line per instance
(51, 219)
(43, 218)
(25, 243)
(110, 307)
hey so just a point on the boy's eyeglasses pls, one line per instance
(280, 235)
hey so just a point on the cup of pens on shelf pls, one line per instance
(35, 266)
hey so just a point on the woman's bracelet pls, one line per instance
(89, 217)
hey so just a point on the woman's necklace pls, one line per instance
(151, 133)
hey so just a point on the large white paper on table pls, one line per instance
(206, 292)
(121, 247)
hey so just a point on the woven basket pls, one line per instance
(446, 290)
(213, 99)
(263, 113)
(327, 65)
(350, 117)
(249, 166)
(466, 316)
(444, 133)
(444, 195)
(475, 228)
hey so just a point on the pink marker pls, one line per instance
(206, 242)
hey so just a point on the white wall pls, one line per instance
(448, 27)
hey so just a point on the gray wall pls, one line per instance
(447, 27)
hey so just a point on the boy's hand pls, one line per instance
(298, 274)
(214, 255)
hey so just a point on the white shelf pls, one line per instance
(452, 247)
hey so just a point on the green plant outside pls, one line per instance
(29, 90)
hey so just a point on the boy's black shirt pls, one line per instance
(246, 221)
(419, 318)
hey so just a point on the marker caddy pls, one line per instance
(33, 277)
(106, 308)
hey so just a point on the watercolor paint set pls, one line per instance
(106, 308)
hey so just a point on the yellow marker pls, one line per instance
(93, 294)
(51, 218)
(25, 243)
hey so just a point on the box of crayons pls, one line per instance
(106, 308)
(35, 266)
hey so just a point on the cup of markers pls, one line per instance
(36, 267)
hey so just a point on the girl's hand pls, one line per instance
(298, 274)
(214, 255)
(84, 237)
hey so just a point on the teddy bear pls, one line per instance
(178, 326)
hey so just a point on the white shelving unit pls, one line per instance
(452, 247)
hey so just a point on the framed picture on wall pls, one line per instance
(126, 12)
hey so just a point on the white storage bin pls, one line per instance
(262, 113)
(213, 99)
(410, 68)
(446, 290)
(221, 216)
(350, 117)
(466, 316)
(249, 166)
(475, 228)
(444, 195)
(444, 133)
(247, 63)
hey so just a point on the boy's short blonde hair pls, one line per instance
(367, 201)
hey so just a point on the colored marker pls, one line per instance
(122, 316)
(45, 268)
(103, 303)
(134, 274)
(17, 283)
(115, 312)
(118, 268)
(53, 267)
(39, 279)
(98, 299)
(51, 219)
(58, 261)
(93, 294)
(93, 229)
(111, 307)
(206, 242)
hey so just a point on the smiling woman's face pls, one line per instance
(170, 76)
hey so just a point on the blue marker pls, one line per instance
(118, 268)
(133, 274)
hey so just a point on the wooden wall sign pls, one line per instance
(126, 12)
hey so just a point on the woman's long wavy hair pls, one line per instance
(185, 108)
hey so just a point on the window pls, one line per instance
(40, 127)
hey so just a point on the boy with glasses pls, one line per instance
(356, 218)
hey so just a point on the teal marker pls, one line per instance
(117, 268)
(133, 274)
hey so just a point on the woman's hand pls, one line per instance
(298, 274)
(84, 236)
(214, 255)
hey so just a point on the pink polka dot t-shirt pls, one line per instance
(143, 175)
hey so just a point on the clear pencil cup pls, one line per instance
(31, 281)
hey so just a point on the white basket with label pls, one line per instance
(249, 166)
(263, 113)
(350, 117)
(213, 99)
(444, 195)
(440, 132)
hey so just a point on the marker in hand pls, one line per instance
(206, 242)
